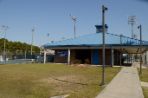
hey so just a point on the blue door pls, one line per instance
(95, 57)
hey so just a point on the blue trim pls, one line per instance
(95, 57)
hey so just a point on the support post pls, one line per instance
(146, 57)
(68, 57)
(112, 56)
(121, 49)
(140, 28)
(128, 61)
(44, 56)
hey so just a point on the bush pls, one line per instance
(87, 61)
(76, 61)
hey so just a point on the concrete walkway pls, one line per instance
(126, 84)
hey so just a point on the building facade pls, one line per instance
(87, 49)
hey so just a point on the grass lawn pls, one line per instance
(145, 91)
(144, 78)
(44, 81)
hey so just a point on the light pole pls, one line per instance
(140, 28)
(74, 19)
(121, 49)
(132, 21)
(32, 41)
(5, 29)
(103, 40)
(48, 36)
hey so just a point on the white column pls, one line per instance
(112, 56)
(44, 57)
(146, 57)
(68, 57)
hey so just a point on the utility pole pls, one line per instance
(103, 40)
(25, 54)
(5, 48)
(33, 30)
(74, 19)
(48, 36)
(140, 28)
(132, 21)
(121, 49)
(5, 29)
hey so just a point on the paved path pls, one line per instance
(126, 84)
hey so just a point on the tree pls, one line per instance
(17, 47)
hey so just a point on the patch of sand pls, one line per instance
(61, 96)
(70, 78)
(145, 84)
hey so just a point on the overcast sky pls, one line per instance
(52, 16)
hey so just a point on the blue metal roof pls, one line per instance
(96, 39)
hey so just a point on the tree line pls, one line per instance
(17, 48)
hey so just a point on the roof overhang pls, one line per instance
(131, 49)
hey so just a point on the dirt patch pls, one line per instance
(65, 84)
(62, 96)
(81, 65)
(144, 84)
(72, 79)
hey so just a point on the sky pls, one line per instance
(52, 17)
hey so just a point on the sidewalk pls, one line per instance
(126, 84)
